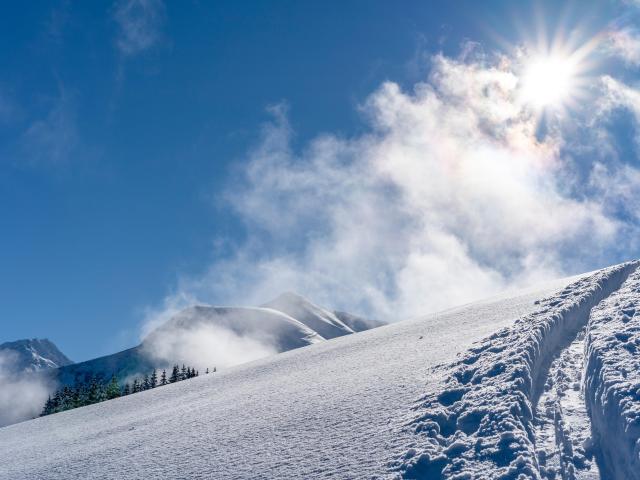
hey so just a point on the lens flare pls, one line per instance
(549, 81)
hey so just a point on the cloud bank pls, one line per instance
(451, 195)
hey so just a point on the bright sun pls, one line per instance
(555, 71)
(549, 81)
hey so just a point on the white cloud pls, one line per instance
(449, 197)
(198, 342)
(140, 23)
(625, 43)
(21, 396)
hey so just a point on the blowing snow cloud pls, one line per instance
(452, 195)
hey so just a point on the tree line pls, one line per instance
(96, 390)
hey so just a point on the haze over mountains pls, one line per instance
(208, 336)
(202, 335)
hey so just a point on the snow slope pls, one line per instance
(487, 421)
(613, 379)
(341, 408)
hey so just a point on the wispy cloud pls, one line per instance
(51, 139)
(625, 44)
(139, 25)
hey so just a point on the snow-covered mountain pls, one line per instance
(290, 321)
(32, 355)
(316, 318)
(539, 384)
(284, 331)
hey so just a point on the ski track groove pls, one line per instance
(482, 425)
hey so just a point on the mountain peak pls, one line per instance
(323, 321)
(30, 355)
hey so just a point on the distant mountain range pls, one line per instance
(32, 355)
(287, 322)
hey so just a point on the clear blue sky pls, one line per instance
(114, 142)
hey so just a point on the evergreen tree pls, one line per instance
(65, 399)
(113, 389)
(76, 398)
(94, 394)
(153, 382)
(126, 389)
(163, 378)
(175, 375)
(146, 383)
(183, 373)
(136, 386)
(48, 407)
(207, 371)
(57, 400)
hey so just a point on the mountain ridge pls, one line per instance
(33, 355)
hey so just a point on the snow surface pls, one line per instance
(340, 408)
(613, 379)
(282, 330)
(324, 322)
(487, 423)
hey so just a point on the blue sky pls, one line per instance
(127, 130)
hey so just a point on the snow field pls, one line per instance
(481, 425)
(336, 409)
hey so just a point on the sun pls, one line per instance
(555, 70)
(549, 81)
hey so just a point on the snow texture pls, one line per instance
(335, 409)
(612, 383)
(481, 425)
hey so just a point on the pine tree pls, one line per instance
(57, 400)
(113, 389)
(76, 398)
(146, 384)
(48, 407)
(153, 382)
(207, 371)
(126, 389)
(65, 399)
(163, 378)
(175, 375)
(136, 386)
(94, 394)
(183, 373)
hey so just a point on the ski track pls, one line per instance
(513, 406)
